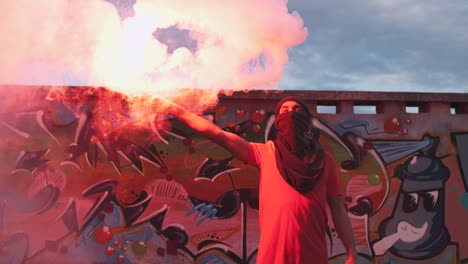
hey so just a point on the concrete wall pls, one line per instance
(81, 182)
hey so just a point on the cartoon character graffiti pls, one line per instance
(417, 230)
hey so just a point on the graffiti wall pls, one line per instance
(82, 180)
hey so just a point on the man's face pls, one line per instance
(297, 123)
(290, 106)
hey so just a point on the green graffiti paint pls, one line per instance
(374, 179)
(464, 200)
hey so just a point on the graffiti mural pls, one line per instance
(85, 180)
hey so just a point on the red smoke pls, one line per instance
(236, 44)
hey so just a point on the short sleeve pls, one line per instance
(333, 183)
(254, 155)
(258, 152)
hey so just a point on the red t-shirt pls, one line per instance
(292, 225)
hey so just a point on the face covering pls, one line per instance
(293, 128)
(299, 155)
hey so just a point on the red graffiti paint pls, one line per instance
(4, 250)
(161, 252)
(52, 245)
(109, 251)
(404, 132)
(256, 128)
(103, 234)
(64, 249)
(128, 191)
(392, 125)
(258, 116)
(102, 217)
(163, 169)
(187, 141)
(171, 247)
(191, 150)
(109, 208)
(240, 113)
(367, 145)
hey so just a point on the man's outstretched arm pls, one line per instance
(235, 144)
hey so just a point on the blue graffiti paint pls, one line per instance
(464, 200)
(206, 210)
(390, 204)
(453, 189)
(213, 258)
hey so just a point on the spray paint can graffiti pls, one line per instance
(417, 230)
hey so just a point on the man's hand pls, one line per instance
(163, 106)
(343, 226)
(352, 258)
(235, 144)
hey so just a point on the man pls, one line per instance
(297, 180)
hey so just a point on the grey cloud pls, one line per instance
(412, 45)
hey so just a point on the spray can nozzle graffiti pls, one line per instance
(417, 230)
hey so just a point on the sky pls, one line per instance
(355, 45)
(381, 45)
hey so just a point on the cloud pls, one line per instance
(352, 45)
(381, 45)
(147, 46)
